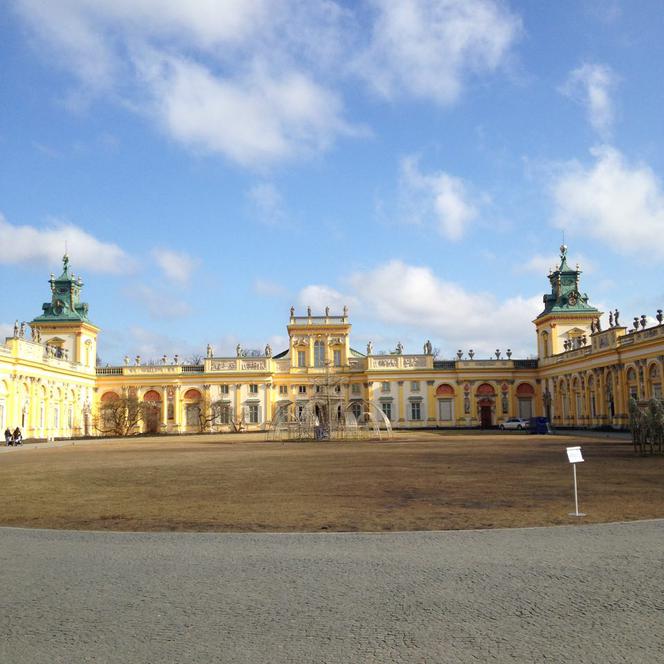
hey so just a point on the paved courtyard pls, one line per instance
(566, 594)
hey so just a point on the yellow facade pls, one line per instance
(583, 377)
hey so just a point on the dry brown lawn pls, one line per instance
(423, 481)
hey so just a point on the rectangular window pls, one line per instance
(253, 388)
(283, 389)
(355, 388)
(253, 413)
(386, 407)
(302, 389)
(526, 408)
(415, 410)
(224, 389)
(319, 354)
(301, 358)
(414, 386)
(445, 411)
(225, 414)
(657, 391)
(337, 358)
(385, 388)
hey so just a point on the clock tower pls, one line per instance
(567, 319)
(64, 326)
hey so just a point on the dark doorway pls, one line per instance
(485, 416)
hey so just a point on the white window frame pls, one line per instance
(446, 407)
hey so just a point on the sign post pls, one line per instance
(574, 457)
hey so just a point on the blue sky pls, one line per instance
(211, 163)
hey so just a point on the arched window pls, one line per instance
(319, 354)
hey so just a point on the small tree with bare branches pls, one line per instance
(121, 416)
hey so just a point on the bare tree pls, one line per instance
(220, 413)
(121, 416)
(194, 359)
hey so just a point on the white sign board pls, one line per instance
(574, 454)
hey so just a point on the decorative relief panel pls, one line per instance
(387, 362)
(223, 365)
(253, 365)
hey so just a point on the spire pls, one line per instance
(65, 268)
(565, 296)
(563, 258)
(65, 304)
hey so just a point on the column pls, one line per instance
(238, 404)
(177, 408)
(268, 388)
(431, 402)
(164, 408)
(402, 401)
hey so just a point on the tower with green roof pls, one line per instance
(567, 316)
(64, 326)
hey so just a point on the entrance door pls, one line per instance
(485, 417)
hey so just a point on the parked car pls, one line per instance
(514, 423)
(539, 425)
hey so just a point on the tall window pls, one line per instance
(445, 409)
(225, 414)
(355, 388)
(301, 358)
(337, 358)
(415, 410)
(253, 413)
(386, 407)
(319, 354)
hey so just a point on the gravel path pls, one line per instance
(567, 594)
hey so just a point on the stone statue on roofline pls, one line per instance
(370, 348)
(268, 350)
(399, 348)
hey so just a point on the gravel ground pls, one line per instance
(567, 594)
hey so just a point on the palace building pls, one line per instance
(583, 376)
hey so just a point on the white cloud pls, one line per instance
(268, 288)
(240, 78)
(399, 294)
(540, 264)
(47, 245)
(254, 119)
(437, 198)
(159, 305)
(426, 48)
(591, 85)
(617, 203)
(319, 296)
(267, 204)
(176, 265)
